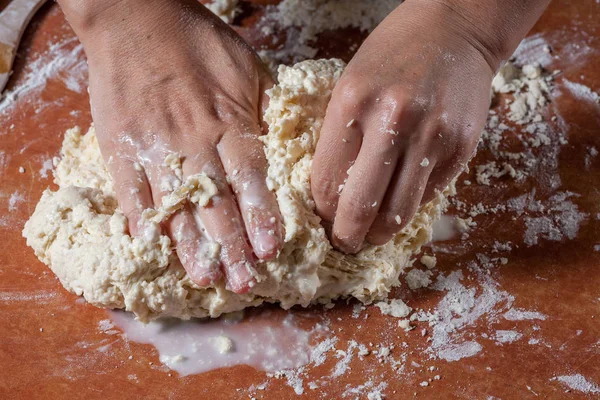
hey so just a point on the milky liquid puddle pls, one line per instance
(191, 347)
(443, 229)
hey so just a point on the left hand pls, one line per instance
(406, 116)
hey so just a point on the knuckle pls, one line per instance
(323, 186)
(398, 96)
(356, 212)
(351, 92)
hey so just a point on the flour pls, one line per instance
(304, 20)
(60, 57)
(82, 235)
(416, 279)
(578, 382)
(368, 389)
(560, 218)
(460, 308)
(318, 353)
(581, 92)
(504, 336)
(522, 315)
(528, 88)
(47, 166)
(345, 358)
(14, 200)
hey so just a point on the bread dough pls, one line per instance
(81, 234)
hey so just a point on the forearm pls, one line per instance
(88, 17)
(496, 25)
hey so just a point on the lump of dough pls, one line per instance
(81, 234)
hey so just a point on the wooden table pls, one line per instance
(49, 338)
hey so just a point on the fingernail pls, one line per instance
(266, 243)
(346, 246)
(240, 277)
(203, 275)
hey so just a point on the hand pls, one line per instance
(169, 77)
(406, 116)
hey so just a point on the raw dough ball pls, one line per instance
(81, 234)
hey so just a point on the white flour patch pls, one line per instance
(60, 60)
(503, 336)
(581, 92)
(520, 315)
(458, 351)
(460, 310)
(559, 218)
(367, 390)
(578, 382)
(47, 166)
(346, 357)
(37, 297)
(15, 199)
(318, 353)
(534, 49)
(304, 20)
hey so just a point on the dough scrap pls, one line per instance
(81, 234)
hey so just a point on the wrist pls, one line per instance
(494, 27)
(93, 18)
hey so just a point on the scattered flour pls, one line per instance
(503, 336)
(581, 92)
(521, 315)
(63, 60)
(304, 20)
(416, 279)
(578, 382)
(15, 199)
(459, 310)
(559, 218)
(47, 166)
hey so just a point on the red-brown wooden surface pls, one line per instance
(560, 279)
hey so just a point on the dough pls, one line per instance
(81, 234)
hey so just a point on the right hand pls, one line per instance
(167, 76)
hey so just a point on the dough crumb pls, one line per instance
(429, 261)
(395, 308)
(223, 344)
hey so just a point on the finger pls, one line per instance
(266, 82)
(401, 200)
(439, 179)
(197, 254)
(132, 190)
(223, 224)
(365, 188)
(245, 163)
(339, 144)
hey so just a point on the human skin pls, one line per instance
(168, 76)
(418, 92)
